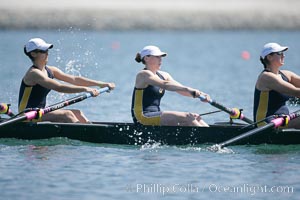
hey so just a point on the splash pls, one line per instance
(151, 145)
(293, 101)
(218, 149)
(73, 67)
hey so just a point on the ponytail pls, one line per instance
(28, 54)
(138, 58)
(264, 61)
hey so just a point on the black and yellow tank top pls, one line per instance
(145, 100)
(268, 103)
(33, 96)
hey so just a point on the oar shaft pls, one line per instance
(71, 101)
(33, 114)
(245, 135)
(10, 121)
(294, 115)
(275, 123)
(64, 103)
(230, 111)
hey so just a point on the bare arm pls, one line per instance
(145, 78)
(294, 78)
(79, 81)
(185, 93)
(269, 81)
(36, 76)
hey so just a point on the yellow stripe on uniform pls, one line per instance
(138, 110)
(25, 98)
(262, 108)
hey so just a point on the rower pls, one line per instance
(39, 80)
(150, 86)
(274, 86)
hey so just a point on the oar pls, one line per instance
(37, 114)
(4, 109)
(275, 123)
(234, 112)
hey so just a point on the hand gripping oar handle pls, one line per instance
(4, 109)
(234, 112)
(275, 123)
(36, 114)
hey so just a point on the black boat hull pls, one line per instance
(128, 133)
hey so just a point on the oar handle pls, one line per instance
(101, 90)
(203, 98)
(234, 113)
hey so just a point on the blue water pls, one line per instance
(210, 61)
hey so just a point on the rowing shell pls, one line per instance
(128, 133)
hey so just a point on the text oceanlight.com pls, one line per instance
(214, 188)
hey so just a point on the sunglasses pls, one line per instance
(41, 51)
(280, 53)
